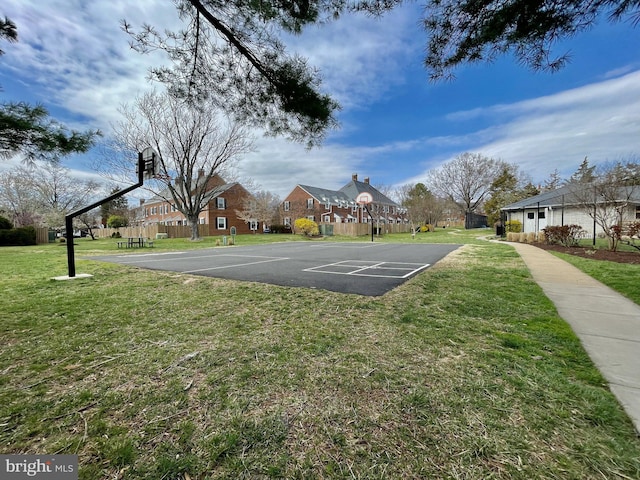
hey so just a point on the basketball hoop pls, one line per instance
(364, 198)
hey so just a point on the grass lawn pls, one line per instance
(624, 278)
(464, 372)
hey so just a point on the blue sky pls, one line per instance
(395, 124)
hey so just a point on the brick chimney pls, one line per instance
(354, 177)
(366, 180)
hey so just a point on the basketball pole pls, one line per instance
(68, 219)
(366, 205)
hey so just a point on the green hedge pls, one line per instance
(18, 236)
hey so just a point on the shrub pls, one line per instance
(117, 221)
(18, 236)
(280, 229)
(307, 227)
(514, 226)
(531, 237)
(116, 235)
(5, 224)
(628, 234)
(567, 235)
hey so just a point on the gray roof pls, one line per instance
(348, 193)
(323, 195)
(354, 187)
(565, 196)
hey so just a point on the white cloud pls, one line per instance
(74, 54)
(600, 121)
(361, 57)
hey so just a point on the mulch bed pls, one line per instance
(600, 254)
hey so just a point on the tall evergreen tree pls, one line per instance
(584, 174)
(467, 31)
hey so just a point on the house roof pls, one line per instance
(565, 196)
(323, 195)
(347, 194)
(355, 187)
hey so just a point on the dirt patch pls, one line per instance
(595, 254)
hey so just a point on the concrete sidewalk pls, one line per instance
(607, 323)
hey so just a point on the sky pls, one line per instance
(395, 125)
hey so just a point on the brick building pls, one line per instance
(339, 206)
(219, 214)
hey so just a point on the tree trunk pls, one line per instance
(193, 223)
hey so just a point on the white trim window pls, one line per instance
(287, 221)
(253, 225)
(202, 221)
(287, 205)
(221, 203)
(221, 223)
(311, 217)
(309, 203)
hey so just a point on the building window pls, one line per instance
(541, 215)
(638, 212)
(287, 221)
(531, 215)
(221, 223)
(202, 221)
(253, 225)
(326, 218)
(311, 217)
(287, 205)
(309, 203)
(221, 203)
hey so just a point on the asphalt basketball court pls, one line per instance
(365, 268)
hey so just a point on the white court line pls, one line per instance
(138, 255)
(360, 268)
(270, 259)
(147, 260)
(347, 245)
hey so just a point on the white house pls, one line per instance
(561, 207)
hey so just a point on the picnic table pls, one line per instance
(133, 242)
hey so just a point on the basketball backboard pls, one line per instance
(150, 163)
(364, 198)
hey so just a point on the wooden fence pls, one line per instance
(360, 229)
(150, 231)
(178, 231)
(42, 235)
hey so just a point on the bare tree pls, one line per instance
(59, 192)
(466, 180)
(89, 221)
(261, 207)
(194, 143)
(423, 207)
(613, 188)
(18, 199)
(44, 193)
